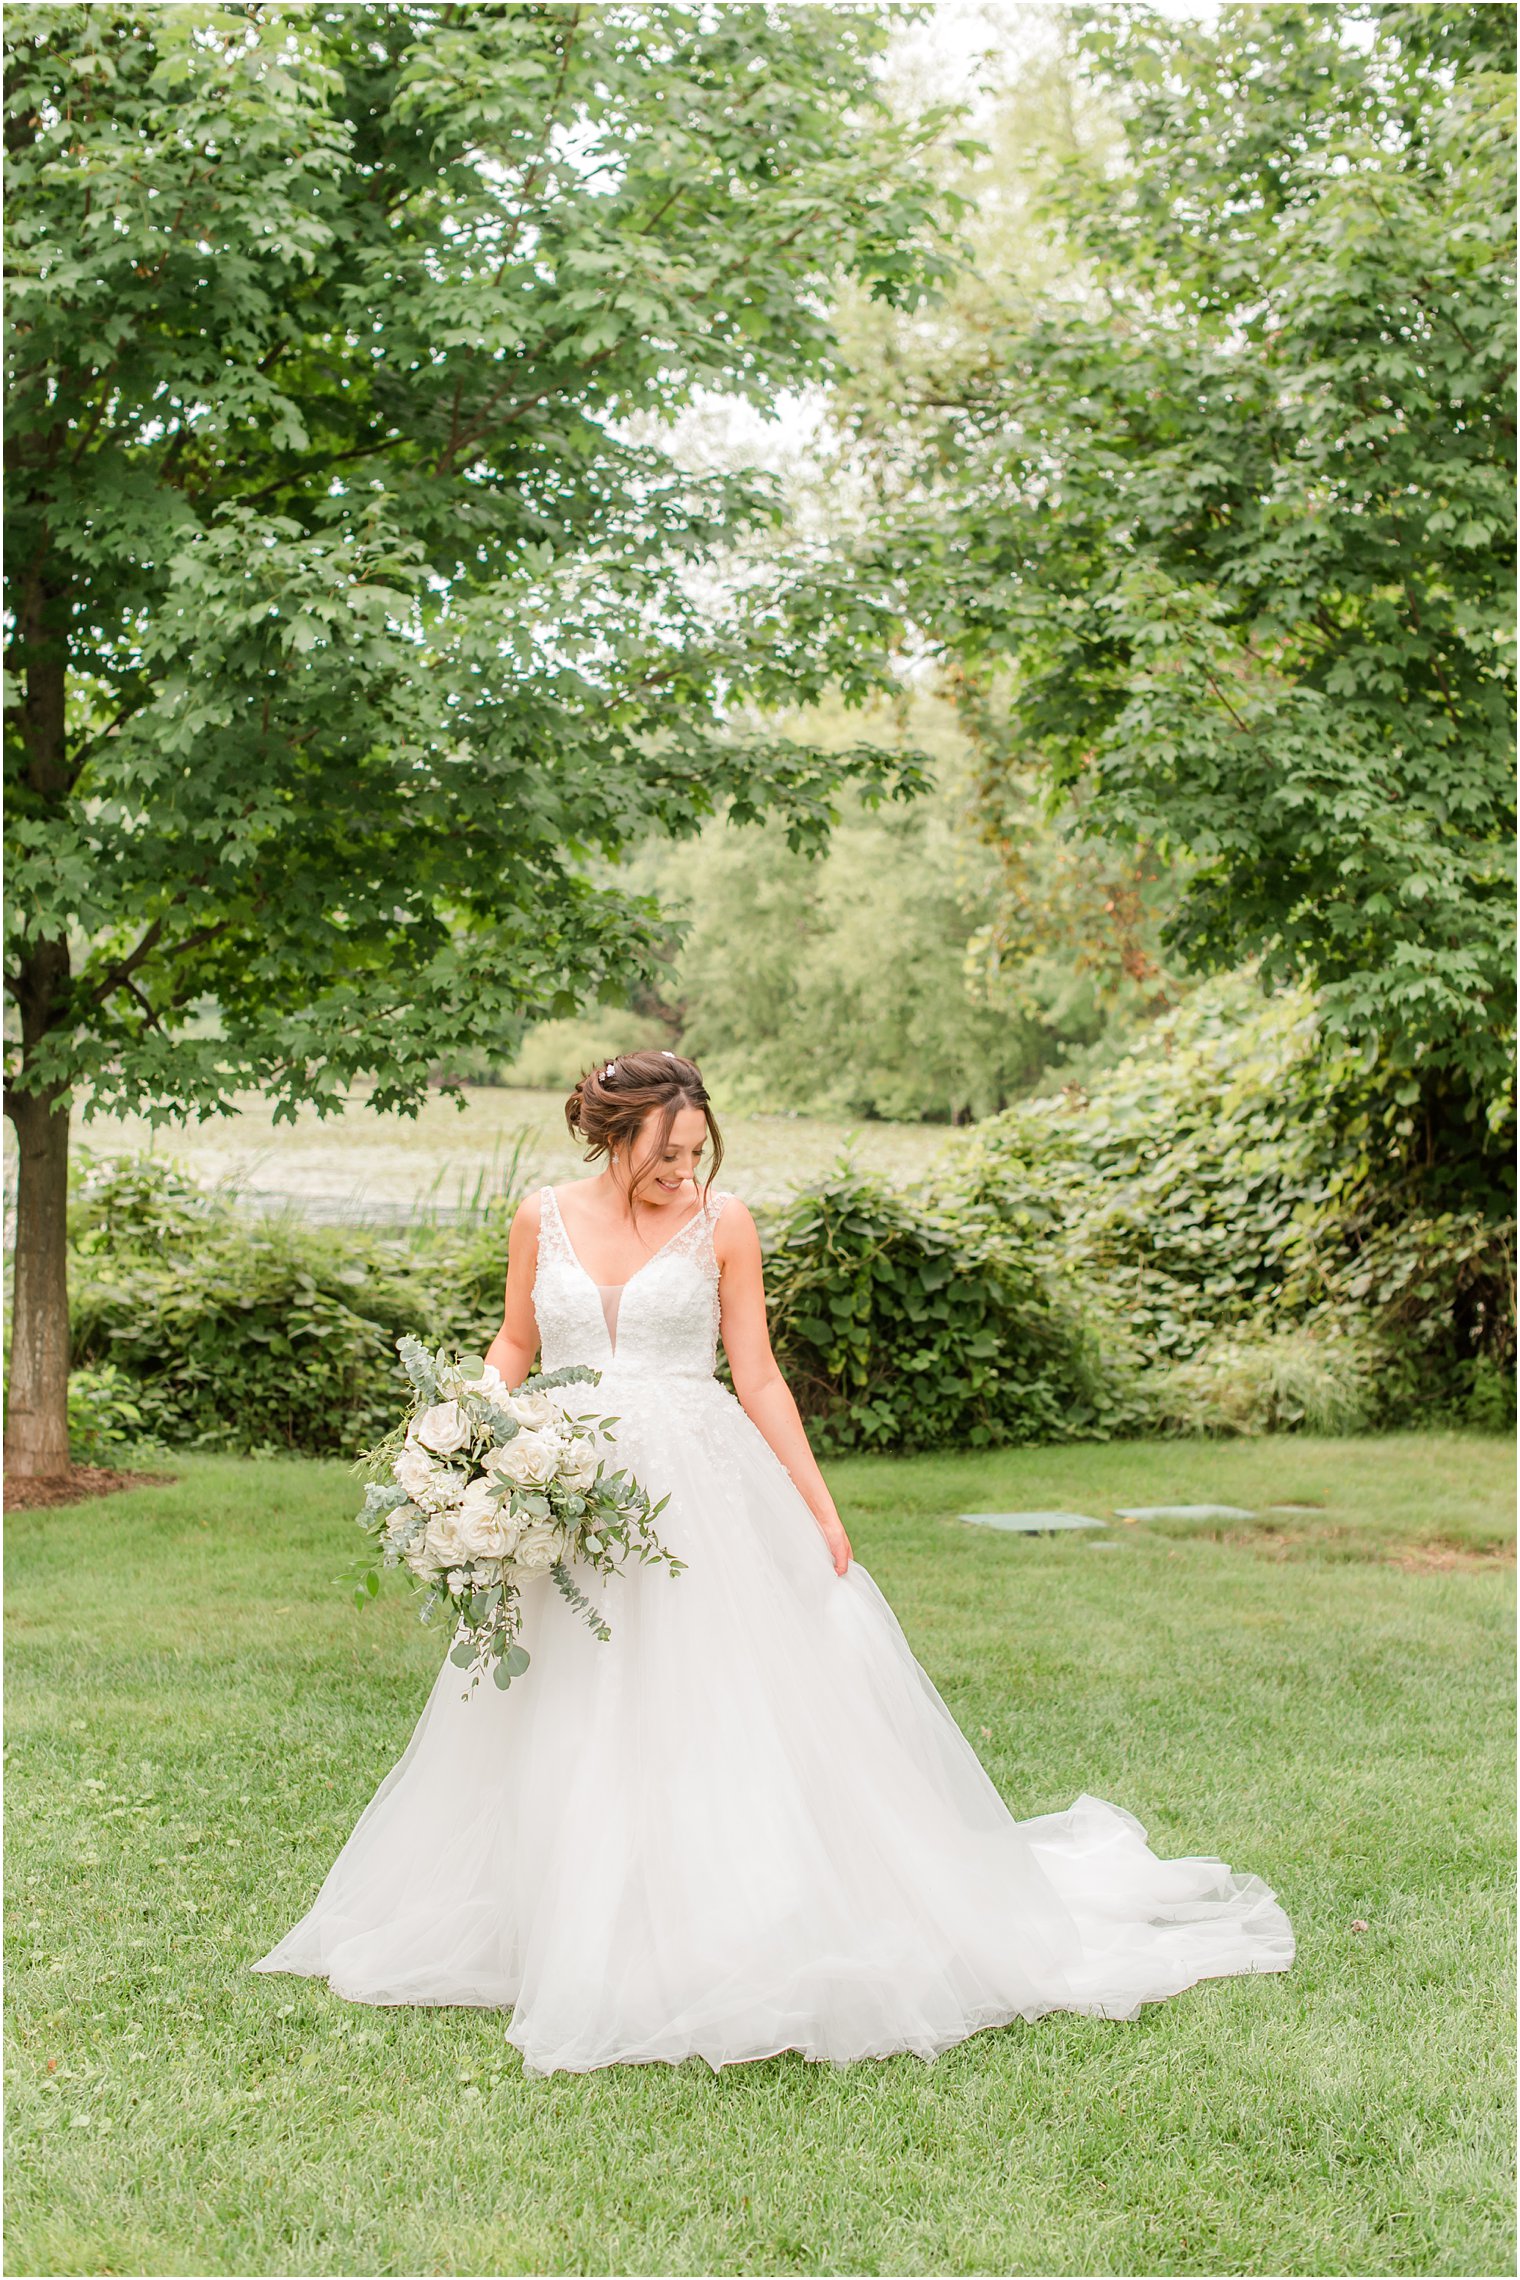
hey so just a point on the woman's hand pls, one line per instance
(838, 1543)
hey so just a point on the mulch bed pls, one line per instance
(1438, 1559)
(75, 1486)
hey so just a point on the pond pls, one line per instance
(360, 1166)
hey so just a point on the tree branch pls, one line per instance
(335, 459)
(126, 967)
(87, 750)
(150, 1017)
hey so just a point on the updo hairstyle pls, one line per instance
(611, 1101)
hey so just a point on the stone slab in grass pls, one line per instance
(1032, 1523)
(1183, 1512)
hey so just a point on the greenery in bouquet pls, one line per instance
(483, 1488)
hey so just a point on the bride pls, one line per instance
(748, 1824)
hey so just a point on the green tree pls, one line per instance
(346, 622)
(839, 983)
(863, 981)
(1069, 914)
(1231, 518)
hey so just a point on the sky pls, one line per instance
(945, 50)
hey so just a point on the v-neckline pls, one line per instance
(643, 1263)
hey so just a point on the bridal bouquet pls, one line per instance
(483, 1487)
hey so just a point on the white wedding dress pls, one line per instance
(748, 1824)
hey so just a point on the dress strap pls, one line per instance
(552, 1237)
(705, 1226)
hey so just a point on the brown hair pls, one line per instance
(611, 1101)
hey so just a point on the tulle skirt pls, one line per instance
(748, 1824)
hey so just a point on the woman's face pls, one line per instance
(663, 1174)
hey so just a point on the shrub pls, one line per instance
(902, 1327)
(1486, 1398)
(1440, 1288)
(1227, 1193)
(1172, 1191)
(138, 1203)
(105, 1416)
(266, 1334)
(1198, 1243)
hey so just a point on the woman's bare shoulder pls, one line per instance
(525, 1219)
(735, 1233)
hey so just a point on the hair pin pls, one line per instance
(610, 1070)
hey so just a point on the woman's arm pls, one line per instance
(516, 1342)
(763, 1391)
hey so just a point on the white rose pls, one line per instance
(488, 1539)
(482, 1526)
(531, 1460)
(578, 1467)
(414, 1472)
(535, 1410)
(444, 1540)
(538, 1547)
(444, 1429)
(478, 1500)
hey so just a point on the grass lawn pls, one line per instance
(1324, 1696)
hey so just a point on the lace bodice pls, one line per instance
(663, 1320)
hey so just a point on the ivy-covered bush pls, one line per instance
(903, 1326)
(1233, 1201)
(253, 1334)
(1172, 1189)
(1437, 1289)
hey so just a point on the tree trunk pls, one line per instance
(37, 1411)
(37, 1408)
